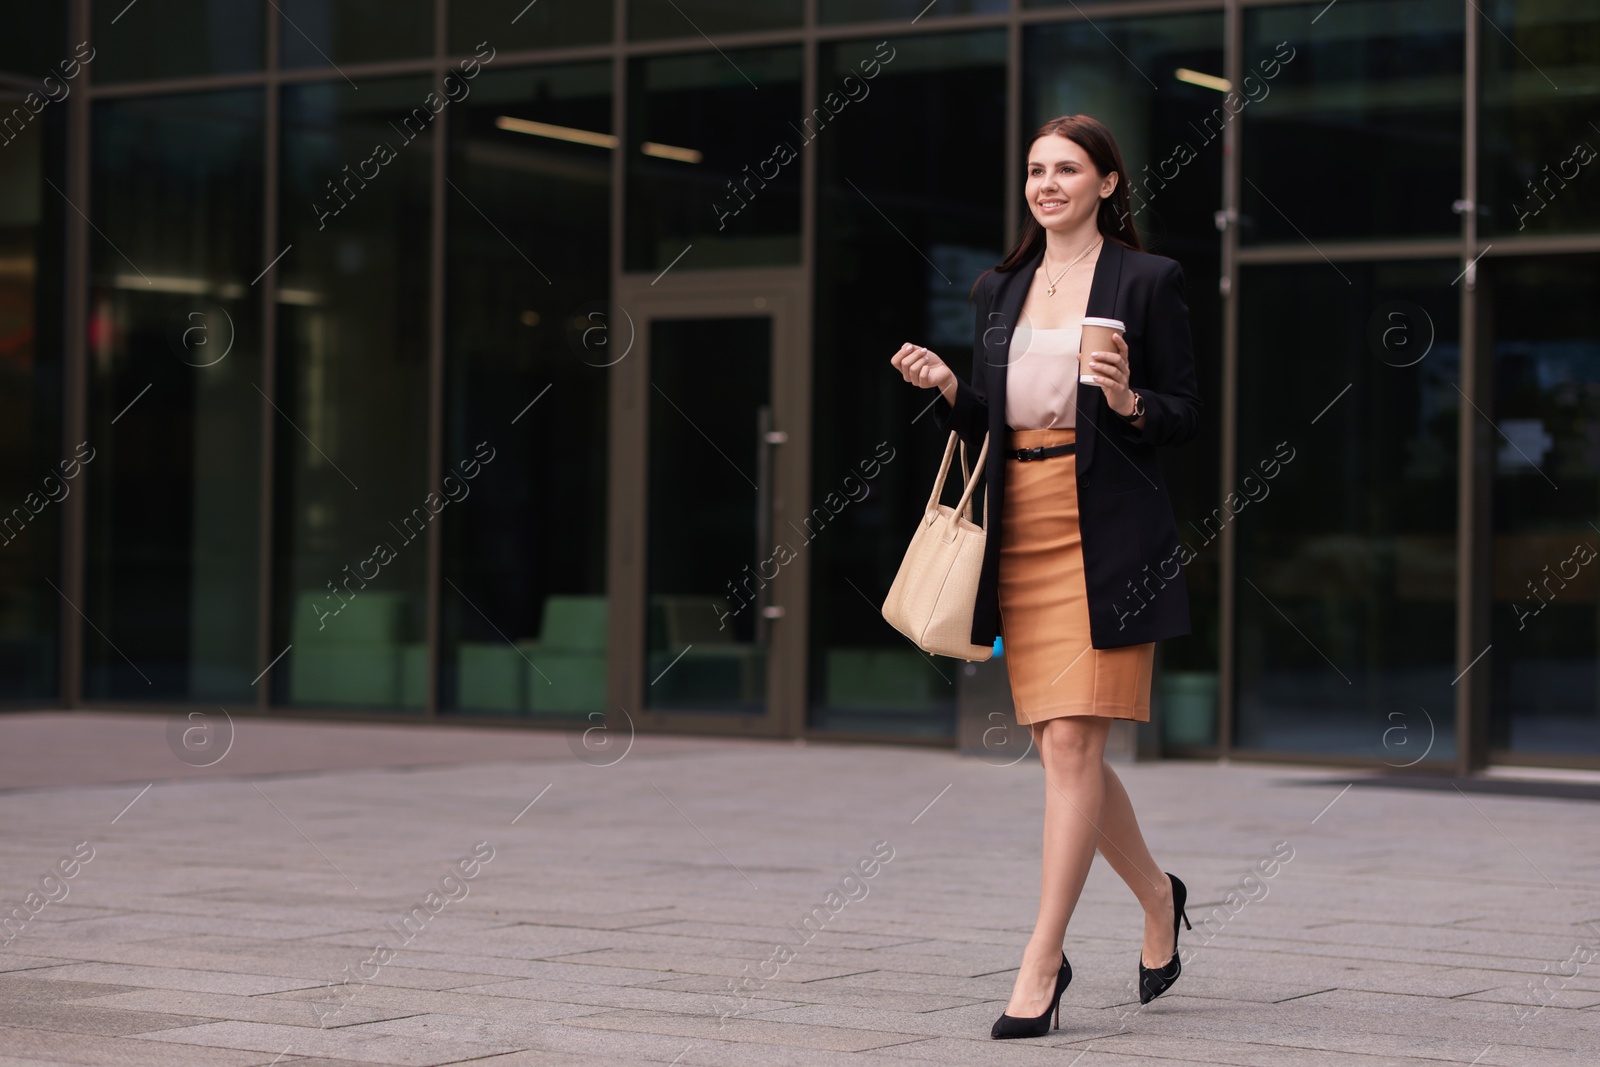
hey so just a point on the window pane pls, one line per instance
(510, 25)
(176, 39)
(650, 20)
(713, 162)
(35, 42)
(1074, 4)
(915, 223)
(33, 463)
(1345, 510)
(353, 506)
(524, 600)
(317, 33)
(1355, 131)
(873, 10)
(1148, 88)
(703, 515)
(175, 416)
(1546, 499)
(1539, 143)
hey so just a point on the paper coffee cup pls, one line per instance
(1096, 337)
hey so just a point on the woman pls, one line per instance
(1081, 567)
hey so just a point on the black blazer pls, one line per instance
(1132, 568)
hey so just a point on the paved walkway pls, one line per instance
(503, 898)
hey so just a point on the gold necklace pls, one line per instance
(1052, 290)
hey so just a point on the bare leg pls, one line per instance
(1072, 749)
(1123, 846)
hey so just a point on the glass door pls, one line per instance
(709, 589)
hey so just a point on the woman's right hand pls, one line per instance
(923, 367)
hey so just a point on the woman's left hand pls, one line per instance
(1111, 373)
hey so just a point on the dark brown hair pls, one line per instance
(1115, 217)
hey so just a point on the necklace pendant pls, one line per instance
(1051, 291)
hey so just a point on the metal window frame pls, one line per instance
(1474, 475)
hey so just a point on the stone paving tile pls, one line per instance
(987, 986)
(767, 935)
(173, 978)
(651, 997)
(1522, 996)
(539, 1057)
(255, 1009)
(960, 1021)
(10, 963)
(86, 1018)
(340, 1043)
(748, 1030)
(154, 925)
(1125, 1051)
(683, 962)
(554, 1043)
(24, 986)
(1412, 1018)
(487, 971)
(1402, 979)
(505, 1000)
(510, 941)
(1194, 1019)
(722, 1054)
(832, 991)
(132, 1051)
(512, 1026)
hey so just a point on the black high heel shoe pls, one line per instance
(1154, 981)
(1035, 1025)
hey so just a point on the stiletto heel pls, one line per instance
(1154, 981)
(1035, 1025)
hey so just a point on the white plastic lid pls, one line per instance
(1115, 324)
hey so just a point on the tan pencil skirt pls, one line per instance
(1044, 605)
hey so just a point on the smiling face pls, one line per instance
(1064, 188)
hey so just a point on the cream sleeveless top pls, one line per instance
(1042, 378)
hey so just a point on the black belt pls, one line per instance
(1041, 451)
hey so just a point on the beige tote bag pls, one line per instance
(936, 589)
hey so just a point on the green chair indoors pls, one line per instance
(568, 675)
(354, 657)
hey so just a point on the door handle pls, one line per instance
(766, 439)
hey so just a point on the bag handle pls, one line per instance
(964, 477)
(964, 506)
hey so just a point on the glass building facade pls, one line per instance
(495, 361)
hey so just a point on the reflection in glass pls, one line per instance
(515, 25)
(1345, 510)
(33, 467)
(1175, 184)
(353, 507)
(1539, 144)
(706, 642)
(714, 163)
(174, 39)
(174, 415)
(1353, 131)
(316, 33)
(527, 273)
(650, 20)
(891, 193)
(1545, 669)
